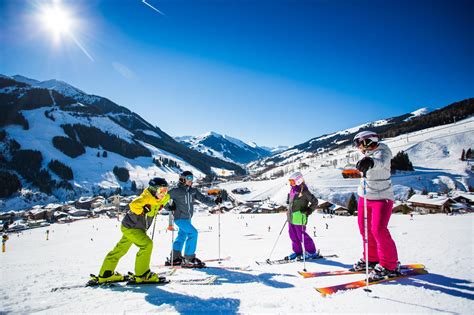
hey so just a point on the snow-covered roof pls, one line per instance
(429, 199)
(468, 196)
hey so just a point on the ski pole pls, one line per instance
(284, 224)
(366, 241)
(154, 224)
(303, 227)
(171, 228)
(219, 232)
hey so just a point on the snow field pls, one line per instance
(32, 266)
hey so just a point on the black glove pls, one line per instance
(365, 164)
(218, 200)
(172, 206)
(146, 209)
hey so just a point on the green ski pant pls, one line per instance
(130, 236)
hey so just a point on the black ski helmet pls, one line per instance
(183, 175)
(158, 182)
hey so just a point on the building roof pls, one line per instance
(430, 199)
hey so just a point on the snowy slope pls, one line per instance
(32, 266)
(35, 114)
(434, 152)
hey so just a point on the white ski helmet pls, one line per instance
(296, 178)
(367, 138)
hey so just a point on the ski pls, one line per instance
(246, 268)
(349, 272)
(361, 283)
(92, 283)
(196, 281)
(287, 261)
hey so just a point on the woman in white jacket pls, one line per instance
(382, 253)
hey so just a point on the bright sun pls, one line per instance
(56, 20)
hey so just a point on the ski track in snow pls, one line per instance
(32, 266)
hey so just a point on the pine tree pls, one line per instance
(411, 192)
(98, 154)
(469, 154)
(463, 155)
(352, 204)
(133, 186)
(424, 191)
(104, 154)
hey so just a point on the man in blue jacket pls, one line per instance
(181, 204)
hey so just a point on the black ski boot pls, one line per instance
(381, 273)
(360, 265)
(193, 263)
(178, 261)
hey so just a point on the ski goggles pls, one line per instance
(162, 190)
(189, 177)
(363, 142)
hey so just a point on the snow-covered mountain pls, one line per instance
(418, 120)
(225, 147)
(63, 142)
(276, 149)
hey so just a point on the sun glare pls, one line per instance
(56, 20)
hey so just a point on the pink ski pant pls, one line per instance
(382, 248)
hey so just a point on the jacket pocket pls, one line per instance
(299, 218)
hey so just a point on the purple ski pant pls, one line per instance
(298, 232)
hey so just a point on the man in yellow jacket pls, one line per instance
(136, 222)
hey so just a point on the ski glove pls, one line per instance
(146, 209)
(172, 206)
(218, 200)
(365, 164)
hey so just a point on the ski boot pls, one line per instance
(107, 277)
(293, 256)
(360, 265)
(178, 261)
(147, 277)
(193, 263)
(380, 273)
(309, 256)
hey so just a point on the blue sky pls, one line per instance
(273, 72)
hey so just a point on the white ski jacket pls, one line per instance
(379, 183)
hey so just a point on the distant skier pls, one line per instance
(269, 228)
(382, 256)
(327, 226)
(136, 222)
(181, 204)
(301, 203)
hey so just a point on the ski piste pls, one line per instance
(287, 261)
(307, 274)
(361, 283)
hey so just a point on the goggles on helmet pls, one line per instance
(162, 190)
(364, 142)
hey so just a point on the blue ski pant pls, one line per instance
(187, 234)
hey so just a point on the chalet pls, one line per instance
(401, 207)
(430, 203)
(339, 210)
(324, 206)
(466, 198)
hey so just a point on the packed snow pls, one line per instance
(32, 266)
